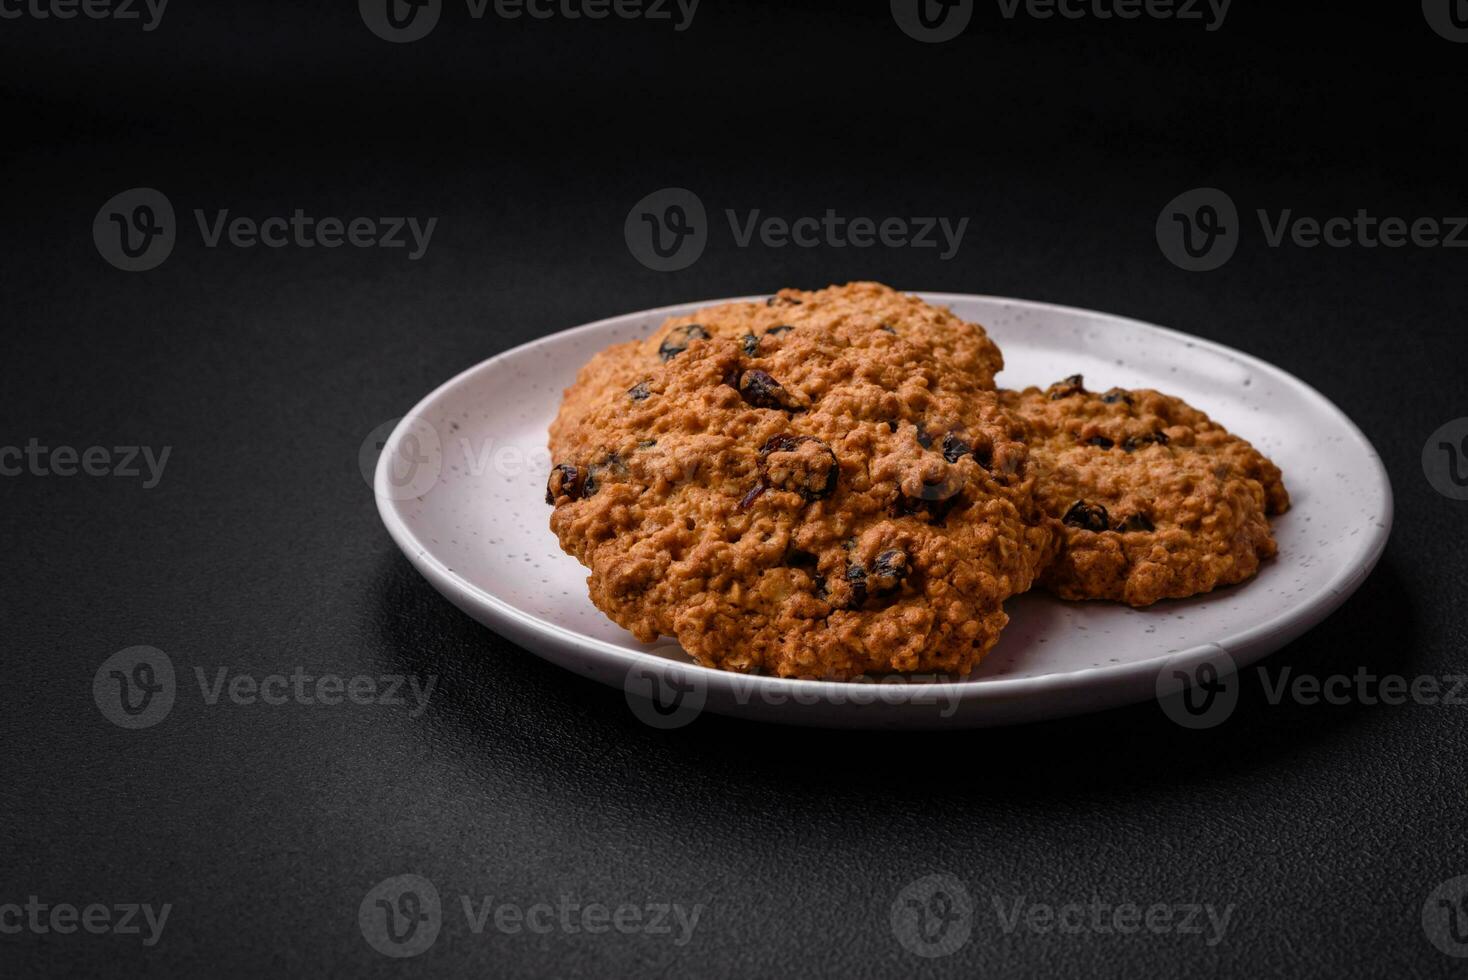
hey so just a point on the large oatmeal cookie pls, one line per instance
(1156, 500)
(826, 502)
(849, 313)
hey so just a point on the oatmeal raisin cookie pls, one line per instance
(825, 501)
(1157, 501)
(859, 313)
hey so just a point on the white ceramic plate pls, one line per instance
(461, 483)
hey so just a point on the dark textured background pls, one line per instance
(261, 549)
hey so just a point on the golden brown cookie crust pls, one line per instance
(850, 311)
(1156, 500)
(829, 501)
(615, 368)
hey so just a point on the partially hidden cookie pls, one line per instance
(826, 501)
(1156, 500)
(760, 328)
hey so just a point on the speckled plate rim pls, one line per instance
(1111, 685)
